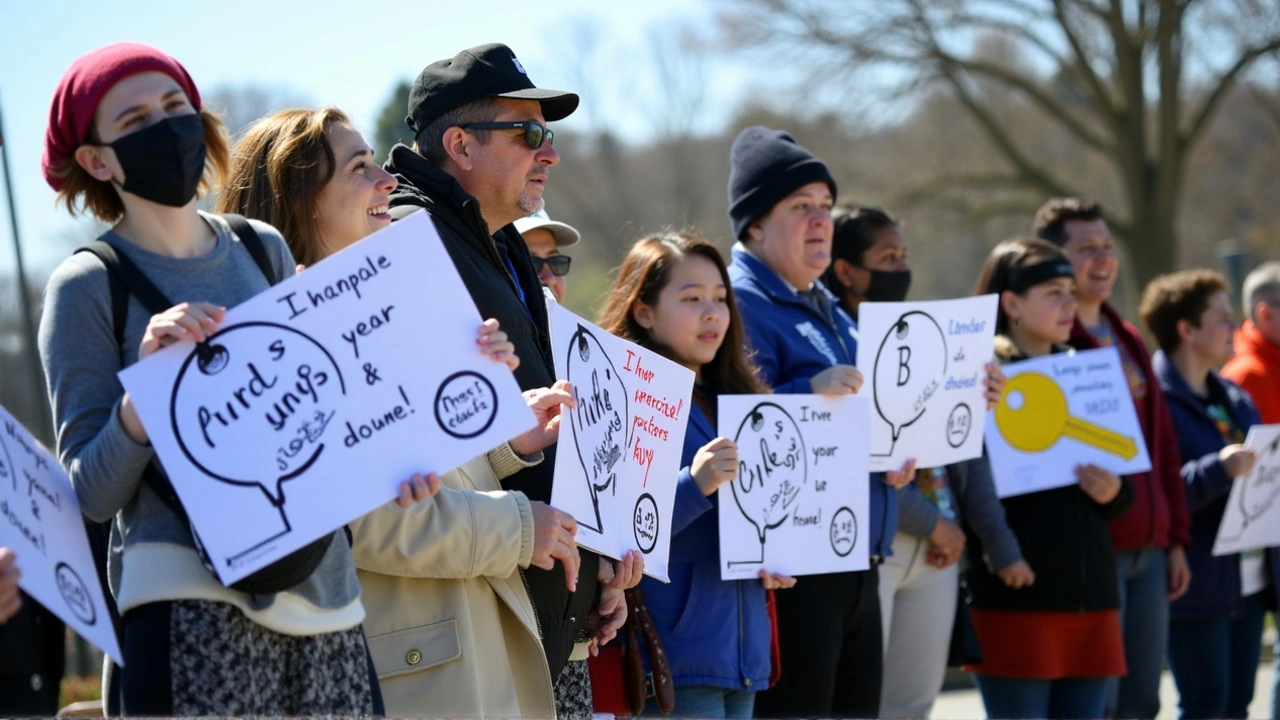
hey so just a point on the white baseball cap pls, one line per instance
(564, 235)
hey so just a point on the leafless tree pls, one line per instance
(1135, 82)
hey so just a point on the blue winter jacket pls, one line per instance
(792, 343)
(715, 632)
(1215, 581)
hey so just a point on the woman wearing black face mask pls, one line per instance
(918, 583)
(128, 141)
(868, 258)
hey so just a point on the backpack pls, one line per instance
(125, 278)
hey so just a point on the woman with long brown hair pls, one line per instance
(672, 295)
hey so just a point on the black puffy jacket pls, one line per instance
(562, 616)
(32, 653)
(1065, 539)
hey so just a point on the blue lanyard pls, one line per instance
(519, 289)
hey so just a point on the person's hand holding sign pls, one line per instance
(418, 488)
(545, 404)
(1100, 485)
(776, 581)
(494, 343)
(714, 464)
(837, 380)
(553, 533)
(1237, 461)
(994, 382)
(10, 599)
(1017, 575)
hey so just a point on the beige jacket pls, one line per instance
(450, 625)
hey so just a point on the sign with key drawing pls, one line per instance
(1061, 411)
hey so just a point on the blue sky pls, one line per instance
(333, 52)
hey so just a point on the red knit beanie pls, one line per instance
(81, 89)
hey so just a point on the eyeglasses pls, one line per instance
(534, 131)
(559, 264)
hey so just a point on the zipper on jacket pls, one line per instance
(537, 621)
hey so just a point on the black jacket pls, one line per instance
(562, 615)
(1065, 539)
(32, 654)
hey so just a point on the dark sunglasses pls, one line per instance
(534, 131)
(559, 264)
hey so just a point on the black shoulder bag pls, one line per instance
(126, 279)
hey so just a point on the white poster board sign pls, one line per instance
(1060, 411)
(618, 459)
(923, 363)
(799, 504)
(316, 398)
(40, 521)
(1252, 518)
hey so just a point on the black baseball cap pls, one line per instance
(485, 71)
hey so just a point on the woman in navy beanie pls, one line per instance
(780, 199)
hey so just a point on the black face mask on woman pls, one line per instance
(163, 163)
(888, 286)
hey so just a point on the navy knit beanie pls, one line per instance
(765, 167)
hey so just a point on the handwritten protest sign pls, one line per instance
(40, 521)
(1252, 517)
(316, 398)
(924, 366)
(1060, 411)
(798, 505)
(618, 459)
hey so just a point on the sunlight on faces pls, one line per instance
(506, 175)
(354, 203)
(542, 244)
(794, 239)
(692, 312)
(1092, 253)
(1211, 340)
(1045, 313)
(136, 102)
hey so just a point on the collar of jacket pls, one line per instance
(425, 185)
(1249, 341)
(1175, 386)
(771, 282)
(1007, 351)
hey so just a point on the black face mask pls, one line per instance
(888, 286)
(163, 163)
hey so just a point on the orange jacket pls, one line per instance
(1256, 368)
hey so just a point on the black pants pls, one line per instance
(832, 649)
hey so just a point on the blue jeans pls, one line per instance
(1144, 618)
(1215, 661)
(1074, 698)
(704, 701)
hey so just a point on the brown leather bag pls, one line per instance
(638, 686)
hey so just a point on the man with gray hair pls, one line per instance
(1256, 366)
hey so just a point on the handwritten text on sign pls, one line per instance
(618, 458)
(1252, 517)
(925, 367)
(1060, 411)
(798, 505)
(40, 521)
(316, 398)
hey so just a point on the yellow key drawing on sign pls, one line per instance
(1032, 415)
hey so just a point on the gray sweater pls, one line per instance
(81, 359)
(977, 507)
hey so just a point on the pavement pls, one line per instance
(966, 703)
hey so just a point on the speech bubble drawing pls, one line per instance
(600, 432)
(247, 380)
(772, 469)
(910, 366)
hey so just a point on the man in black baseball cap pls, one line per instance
(480, 160)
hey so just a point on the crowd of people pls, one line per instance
(467, 595)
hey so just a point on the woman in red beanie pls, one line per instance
(129, 141)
